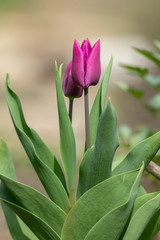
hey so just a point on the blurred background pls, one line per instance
(35, 33)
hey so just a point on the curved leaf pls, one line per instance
(36, 203)
(144, 151)
(18, 230)
(99, 103)
(39, 228)
(49, 179)
(15, 229)
(143, 221)
(97, 202)
(112, 224)
(140, 201)
(97, 164)
(41, 149)
(67, 140)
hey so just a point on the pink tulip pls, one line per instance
(86, 66)
(70, 89)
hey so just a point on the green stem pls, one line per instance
(70, 108)
(87, 123)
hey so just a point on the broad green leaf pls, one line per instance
(136, 92)
(97, 202)
(112, 224)
(144, 151)
(142, 223)
(140, 201)
(99, 103)
(97, 164)
(36, 203)
(141, 72)
(67, 140)
(141, 191)
(154, 57)
(155, 102)
(41, 157)
(49, 179)
(156, 228)
(37, 226)
(17, 230)
(41, 149)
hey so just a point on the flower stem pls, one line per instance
(87, 123)
(70, 109)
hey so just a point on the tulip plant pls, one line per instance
(108, 203)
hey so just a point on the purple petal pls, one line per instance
(70, 89)
(86, 48)
(93, 66)
(78, 65)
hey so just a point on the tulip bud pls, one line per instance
(86, 66)
(70, 89)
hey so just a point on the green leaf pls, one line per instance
(41, 157)
(67, 140)
(97, 202)
(140, 201)
(112, 224)
(50, 181)
(97, 163)
(17, 230)
(99, 103)
(39, 227)
(104, 83)
(141, 191)
(14, 225)
(136, 92)
(141, 72)
(154, 57)
(156, 228)
(143, 221)
(144, 151)
(36, 203)
(6, 164)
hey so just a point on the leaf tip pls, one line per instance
(7, 79)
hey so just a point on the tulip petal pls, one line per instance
(78, 65)
(65, 79)
(86, 48)
(93, 66)
(71, 89)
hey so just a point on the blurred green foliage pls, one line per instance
(128, 138)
